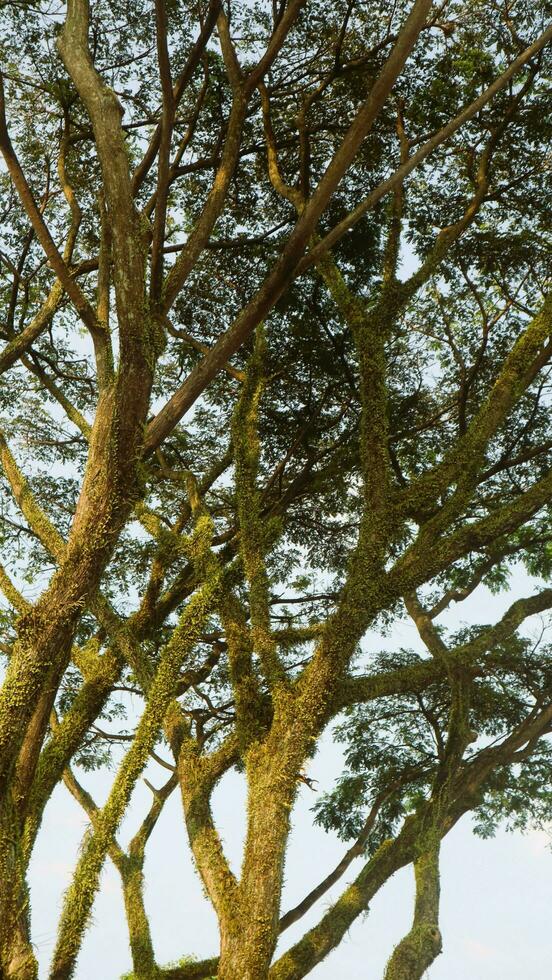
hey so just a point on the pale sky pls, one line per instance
(496, 895)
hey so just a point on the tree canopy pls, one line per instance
(275, 321)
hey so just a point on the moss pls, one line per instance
(66, 739)
(143, 958)
(17, 959)
(37, 519)
(415, 954)
(245, 440)
(186, 968)
(464, 461)
(80, 895)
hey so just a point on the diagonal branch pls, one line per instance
(181, 84)
(58, 264)
(422, 153)
(285, 268)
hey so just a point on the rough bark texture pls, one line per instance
(366, 442)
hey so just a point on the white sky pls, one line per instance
(496, 895)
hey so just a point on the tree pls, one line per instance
(275, 373)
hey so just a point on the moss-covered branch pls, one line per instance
(253, 533)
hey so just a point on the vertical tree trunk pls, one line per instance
(242, 956)
(17, 959)
(141, 947)
(418, 949)
(249, 941)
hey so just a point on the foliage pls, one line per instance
(275, 369)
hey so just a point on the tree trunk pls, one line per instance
(417, 951)
(17, 959)
(141, 947)
(246, 950)
(21, 963)
(248, 943)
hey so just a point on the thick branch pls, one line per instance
(285, 269)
